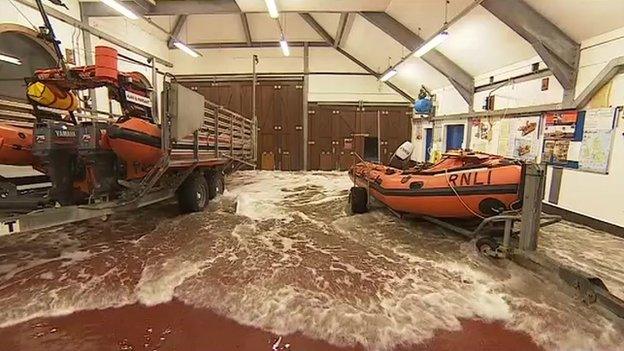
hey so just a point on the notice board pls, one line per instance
(598, 131)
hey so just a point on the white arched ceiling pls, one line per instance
(262, 27)
(218, 28)
(480, 43)
(330, 60)
(415, 72)
(428, 15)
(582, 19)
(164, 22)
(316, 5)
(372, 46)
(329, 22)
(296, 28)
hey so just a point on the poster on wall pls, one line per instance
(482, 134)
(525, 137)
(562, 138)
(595, 149)
(520, 138)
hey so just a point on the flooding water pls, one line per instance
(279, 252)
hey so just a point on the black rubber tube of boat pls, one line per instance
(116, 132)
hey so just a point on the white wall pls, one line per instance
(595, 195)
(323, 87)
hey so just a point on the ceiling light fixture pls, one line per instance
(10, 59)
(185, 48)
(428, 46)
(272, 7)
(391, 73)
(121, 9)
(284, 46)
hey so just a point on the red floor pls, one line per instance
(175, 326)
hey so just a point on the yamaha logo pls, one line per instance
(65, 133)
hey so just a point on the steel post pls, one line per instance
(534, 181)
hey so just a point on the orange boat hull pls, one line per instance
(136, 142)
(453, 188)
(16, 145)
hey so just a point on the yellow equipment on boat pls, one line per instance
(51, 96)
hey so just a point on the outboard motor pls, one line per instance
(55, 147)
(100, 161)
(401, 157)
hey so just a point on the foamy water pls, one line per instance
(278, 251)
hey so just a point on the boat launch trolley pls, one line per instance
(514, 235)
(201, 142)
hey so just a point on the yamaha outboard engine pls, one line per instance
(55, 147)
(100, 161)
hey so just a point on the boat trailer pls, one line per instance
(229, 145)
(519, 241)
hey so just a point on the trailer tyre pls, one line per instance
(216, 184)
(193, 194)
(487, 246)
(358, 197)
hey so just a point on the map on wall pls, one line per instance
(597, 140)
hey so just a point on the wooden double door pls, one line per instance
(279, 108)
(338, 132)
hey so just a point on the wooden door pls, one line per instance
(289, 132)
(267, 126)
(395, 130)
(344, 128)
(367, 128)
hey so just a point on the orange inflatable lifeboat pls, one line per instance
(136, 141)
(461, 185)
(16, 144)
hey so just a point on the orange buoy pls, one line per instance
(16, 145)
(461, 185)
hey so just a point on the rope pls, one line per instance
(23, 15)
(459, 197)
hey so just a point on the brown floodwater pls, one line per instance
(277, 264)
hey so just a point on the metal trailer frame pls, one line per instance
(230, 143)
(585, 287)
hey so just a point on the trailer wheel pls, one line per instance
(193, 194)
(487, 246)
(358, 197)
(216, 184)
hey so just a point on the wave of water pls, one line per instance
(278, 251)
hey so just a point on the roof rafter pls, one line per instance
(177, 27)
(166, 7)
(459, 78)
(342, 24)
(557, 49)
(246, 29)
(255, 44)
(329, 40)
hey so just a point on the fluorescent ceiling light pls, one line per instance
(272, 7)
(437, 40)
(284, 46)
(391, 73)
(185, 48)
(10, 59)
(121, 9)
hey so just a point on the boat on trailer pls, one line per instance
(463, 184)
